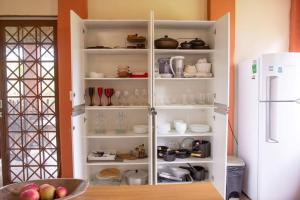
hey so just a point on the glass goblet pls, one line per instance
(100, 92)
(91, 95)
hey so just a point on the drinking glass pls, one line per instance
(99, 123)
(136, 99)
(100, 92)
(118, 98)
(121, 125)
(144, 97)
(109, 92)
(91, 95)
(201, 98)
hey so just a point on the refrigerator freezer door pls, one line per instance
(279, 162)
(247, 124)
(279, 77)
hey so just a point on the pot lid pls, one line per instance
(197, 41)
(166, 38)
(136, 174)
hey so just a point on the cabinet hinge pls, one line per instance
(215, 95)
(214, 118)
(84, 119)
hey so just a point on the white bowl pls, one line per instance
(140, 129)
(180, 127)
(199, 128)
(203, 67)
(96, 75)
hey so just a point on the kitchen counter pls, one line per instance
(201, 191)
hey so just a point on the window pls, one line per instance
(28, 86)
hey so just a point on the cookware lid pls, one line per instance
(166, 38)
(136, 174)
(197, 41)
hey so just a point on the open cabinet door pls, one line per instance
(150, 97)
(78, 145)
(77, 64)
(221, 64)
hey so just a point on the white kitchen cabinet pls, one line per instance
(86, 33)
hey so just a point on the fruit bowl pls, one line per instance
(75, 187)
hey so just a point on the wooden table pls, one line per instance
(201, 191)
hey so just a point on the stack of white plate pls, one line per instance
(199, 128)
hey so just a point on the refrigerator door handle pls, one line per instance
(271, 123)
(271, 87)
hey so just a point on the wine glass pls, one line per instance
(91, 94)
(118, 98)
(109, 92)
(100, 92)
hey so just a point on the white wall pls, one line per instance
(262, 26)
(28, 7)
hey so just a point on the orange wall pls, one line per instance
(64, 78)
(216, 9)
(295, 26)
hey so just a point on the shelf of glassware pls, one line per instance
(125, 162)
(115, 135)
(183, 107)
(184, 79)
(95, 108)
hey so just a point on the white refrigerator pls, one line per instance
(268, 114)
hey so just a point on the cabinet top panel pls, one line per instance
(115, 23)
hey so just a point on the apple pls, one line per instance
(43, 185)
(30, 194)
(47, 192)
(28, 186)
(61, 192)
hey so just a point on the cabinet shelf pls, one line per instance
(125, 162)
(115, 79)
(184, 107)
(187, 134)
(186, 160)
(184, 79)
(116, 107)
(183, 51)
(114, 135)
(116, 51)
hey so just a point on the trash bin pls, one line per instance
(235, 175)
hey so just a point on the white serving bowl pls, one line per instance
(180, 127)
(140, 129)
(96, 75)
(203, 67)
(199, 128)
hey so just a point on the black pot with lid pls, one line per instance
(166, 43)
